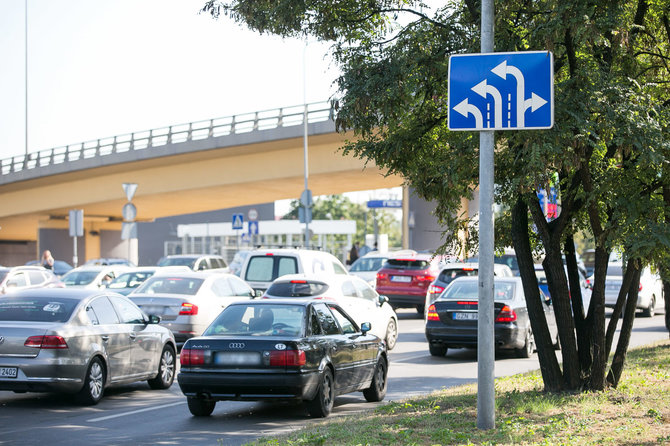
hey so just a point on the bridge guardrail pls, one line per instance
(147, 139)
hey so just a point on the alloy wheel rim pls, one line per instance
(167, 366)
(95, 380)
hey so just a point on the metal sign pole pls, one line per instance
(485, 345)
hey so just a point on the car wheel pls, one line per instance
(651, 309)
(377, 390)
(166, 368)
(391, 334)
(437, 349)
(200, 407)
(94, 383)
(322, 403)
(528, 347)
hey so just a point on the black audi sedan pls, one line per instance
(451, 321)
(279, 350)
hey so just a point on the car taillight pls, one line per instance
(50, 342)
(189, 357)
(640, 288)
(431, 314)
(188, 309)
(382, 276)
(506, 315)
(283, 358)
(425, 278)
(435, 289)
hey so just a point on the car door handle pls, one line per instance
(105, 338)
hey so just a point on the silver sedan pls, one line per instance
(80, 341)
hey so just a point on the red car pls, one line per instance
(405, 278)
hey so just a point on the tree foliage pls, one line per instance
(609, 146)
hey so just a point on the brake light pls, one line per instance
(640, 288)
(48, 342)
(188, 309)
(435, 289)
(324, 298)
(298, 281)
(269, 254)
(468, 269)
(431, 314)
(382, 276)
(189, 357)
(463, 302)
(506, 315)
(290, 358)
(425, 278)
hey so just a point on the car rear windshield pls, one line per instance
(449, 274)
(268, 268)
(298, 288)
(170, 285)
(42, 309)
(259, 320)
(468, 289)
(368, 264)
(177, 261)
(406, 264)
(615, 270)
(75, 278)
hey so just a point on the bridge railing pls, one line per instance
(192, 131)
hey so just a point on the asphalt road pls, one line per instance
(139, 416)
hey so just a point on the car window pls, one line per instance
(348, 326)
(129, 280)
(366, 292)
(327, 321)
(79, 277)
(239, 287)
(468, 289)
(368, 264)
(102, 311)
(259, 320)
(286, 265)
(406, 264)
(36, 277)
(128, 312)
(222, 288)
(36, 309)
(348, 289)
(339, 269)
(449, 274)
(314, 323)
(268, 268)
(17, 279)
(170, 285)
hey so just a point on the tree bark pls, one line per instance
(551, 371)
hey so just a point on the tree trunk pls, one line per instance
(596, 320)
(627, 326)
(551, 371)
(582, 329)
(666, 296)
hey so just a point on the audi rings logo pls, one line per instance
(2, 339)
(236, 345)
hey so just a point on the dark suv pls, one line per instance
(404, 279)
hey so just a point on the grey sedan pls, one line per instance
(80, 341)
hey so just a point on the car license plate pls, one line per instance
(405, 279)
(156, 311)
(237, 358)
(9, 372)
(465, 316)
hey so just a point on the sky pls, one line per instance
(99, 68)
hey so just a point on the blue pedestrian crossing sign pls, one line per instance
(238, 221)
(501, 91)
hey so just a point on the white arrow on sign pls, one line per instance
(534, 103)
(523, 104)
(483, 89)
(465, 108)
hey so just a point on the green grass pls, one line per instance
(635, 413)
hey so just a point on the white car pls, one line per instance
(262, 266)
(353, 294)
(650, 296)
(92, 276)
(366, 266)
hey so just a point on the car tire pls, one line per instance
(437, 349)
(528, 346)
(166, 370)
(391, 334)
(322, 404)
(651, 309)
(200, 407)
(94, 383)
(377, 390)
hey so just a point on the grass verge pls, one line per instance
(637, 412)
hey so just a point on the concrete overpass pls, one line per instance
(194, 167)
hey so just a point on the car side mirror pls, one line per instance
(153, 319)
(383, 300)
(365, 327)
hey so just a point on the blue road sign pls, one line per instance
(384, 204)
(253, 228)
(501, 91)
(238, 221)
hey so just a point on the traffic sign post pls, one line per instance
(501, 91)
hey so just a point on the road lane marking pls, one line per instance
(133, 412)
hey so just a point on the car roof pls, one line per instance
(317, 277)
(203, 274)
(70, 293)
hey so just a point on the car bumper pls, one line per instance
(43, 376)
(404, 300)
(249, 387)
(506, 336)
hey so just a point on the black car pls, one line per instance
(451, 321)
(279, 350)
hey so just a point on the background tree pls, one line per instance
(609, 146)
